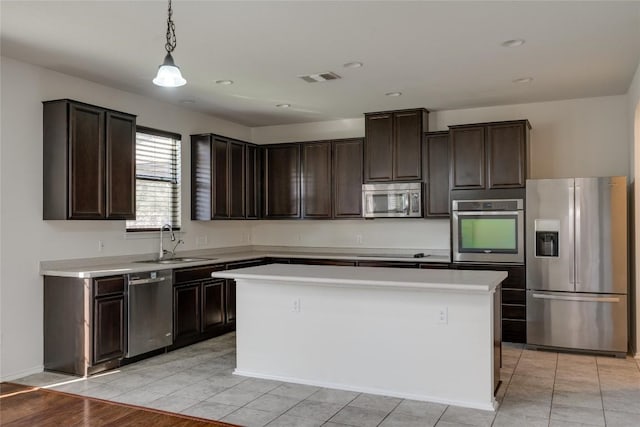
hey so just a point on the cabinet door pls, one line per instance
(282, 181)
(121, 166)
(506, 155)
(467, 157)
(186, 312)
(201, 179)
(436, 173)
(87, 163)
(316, 180)
(252, 184)
(347, 178)
(236, 180)
(108, 328)
(378, 148)
(212, 304)
(220, 175)
(230, 301)
(407, 146)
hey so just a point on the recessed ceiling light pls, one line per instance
(393, 93)
(224, 82)
(283, 105)
(187, 101)
(523, 80)
(353, 65)
(513, 43)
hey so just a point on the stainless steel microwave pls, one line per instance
(392, 200)
(488, 231)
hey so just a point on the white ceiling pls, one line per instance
(440, 55)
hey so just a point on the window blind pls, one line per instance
(157, 180)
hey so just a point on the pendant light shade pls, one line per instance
(169, 74)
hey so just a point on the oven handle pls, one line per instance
(487, 213)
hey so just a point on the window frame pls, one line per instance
(163, 134)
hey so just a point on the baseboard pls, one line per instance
(490, 406)
(24, 373)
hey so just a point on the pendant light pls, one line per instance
(169, 73)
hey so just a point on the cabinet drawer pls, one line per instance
(108, 285)
(394, 264)
(433, 265)
(514, 331)
(514, 312)
(514, 296)
(195, 273)
(246, 263)
(315, 261)
(516, 278)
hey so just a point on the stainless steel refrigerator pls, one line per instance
(576, 262)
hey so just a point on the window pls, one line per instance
(157, 180)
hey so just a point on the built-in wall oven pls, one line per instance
(488, 231)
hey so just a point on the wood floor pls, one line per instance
(31, 406)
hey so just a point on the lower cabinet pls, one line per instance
(108, 328)
(199, 305)
(393, 264)
(514, 308)
(84, 324)
(317, 261)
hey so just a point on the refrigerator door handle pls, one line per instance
(577, 298)
(571, 232)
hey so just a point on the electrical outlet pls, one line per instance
(296, 305)
(443, 316)
(359, 238)
(100, 245)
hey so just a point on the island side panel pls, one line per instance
(382, 340)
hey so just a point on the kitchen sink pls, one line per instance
(174, 260)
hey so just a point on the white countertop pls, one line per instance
(426, 279)
(108, 266)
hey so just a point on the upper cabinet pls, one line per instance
(332, 179)
(393, 145)
(347, 178)
(435, 170)
(89, 162)
(489, 155)
(223, 178)
(281, 181)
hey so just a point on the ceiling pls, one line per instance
(440, 55)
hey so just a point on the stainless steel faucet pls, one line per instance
(163, 251)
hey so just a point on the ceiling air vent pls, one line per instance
(320, 77)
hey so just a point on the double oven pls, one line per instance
(488, 231)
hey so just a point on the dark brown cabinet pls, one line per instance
(317, 261)
(435, 166)
(198, 304)
(347, 178)
(489, 155)
(281, 181)
(393, 264)
(89, 162)
(108, 319)
(223, 178)
(252, 182)
(393, 145)
(316, 180)
(513, 294)
(84, 332)
(332, 179)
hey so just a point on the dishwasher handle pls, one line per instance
(577, 298)
(133, 282)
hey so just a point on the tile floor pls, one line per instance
(539, 389)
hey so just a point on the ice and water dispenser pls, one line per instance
(547, 238)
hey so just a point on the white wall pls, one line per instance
(27, 239)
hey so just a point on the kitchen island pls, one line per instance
(431, 335)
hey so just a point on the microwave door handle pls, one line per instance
(406, 209)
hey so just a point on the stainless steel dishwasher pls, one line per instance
(149, 311)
